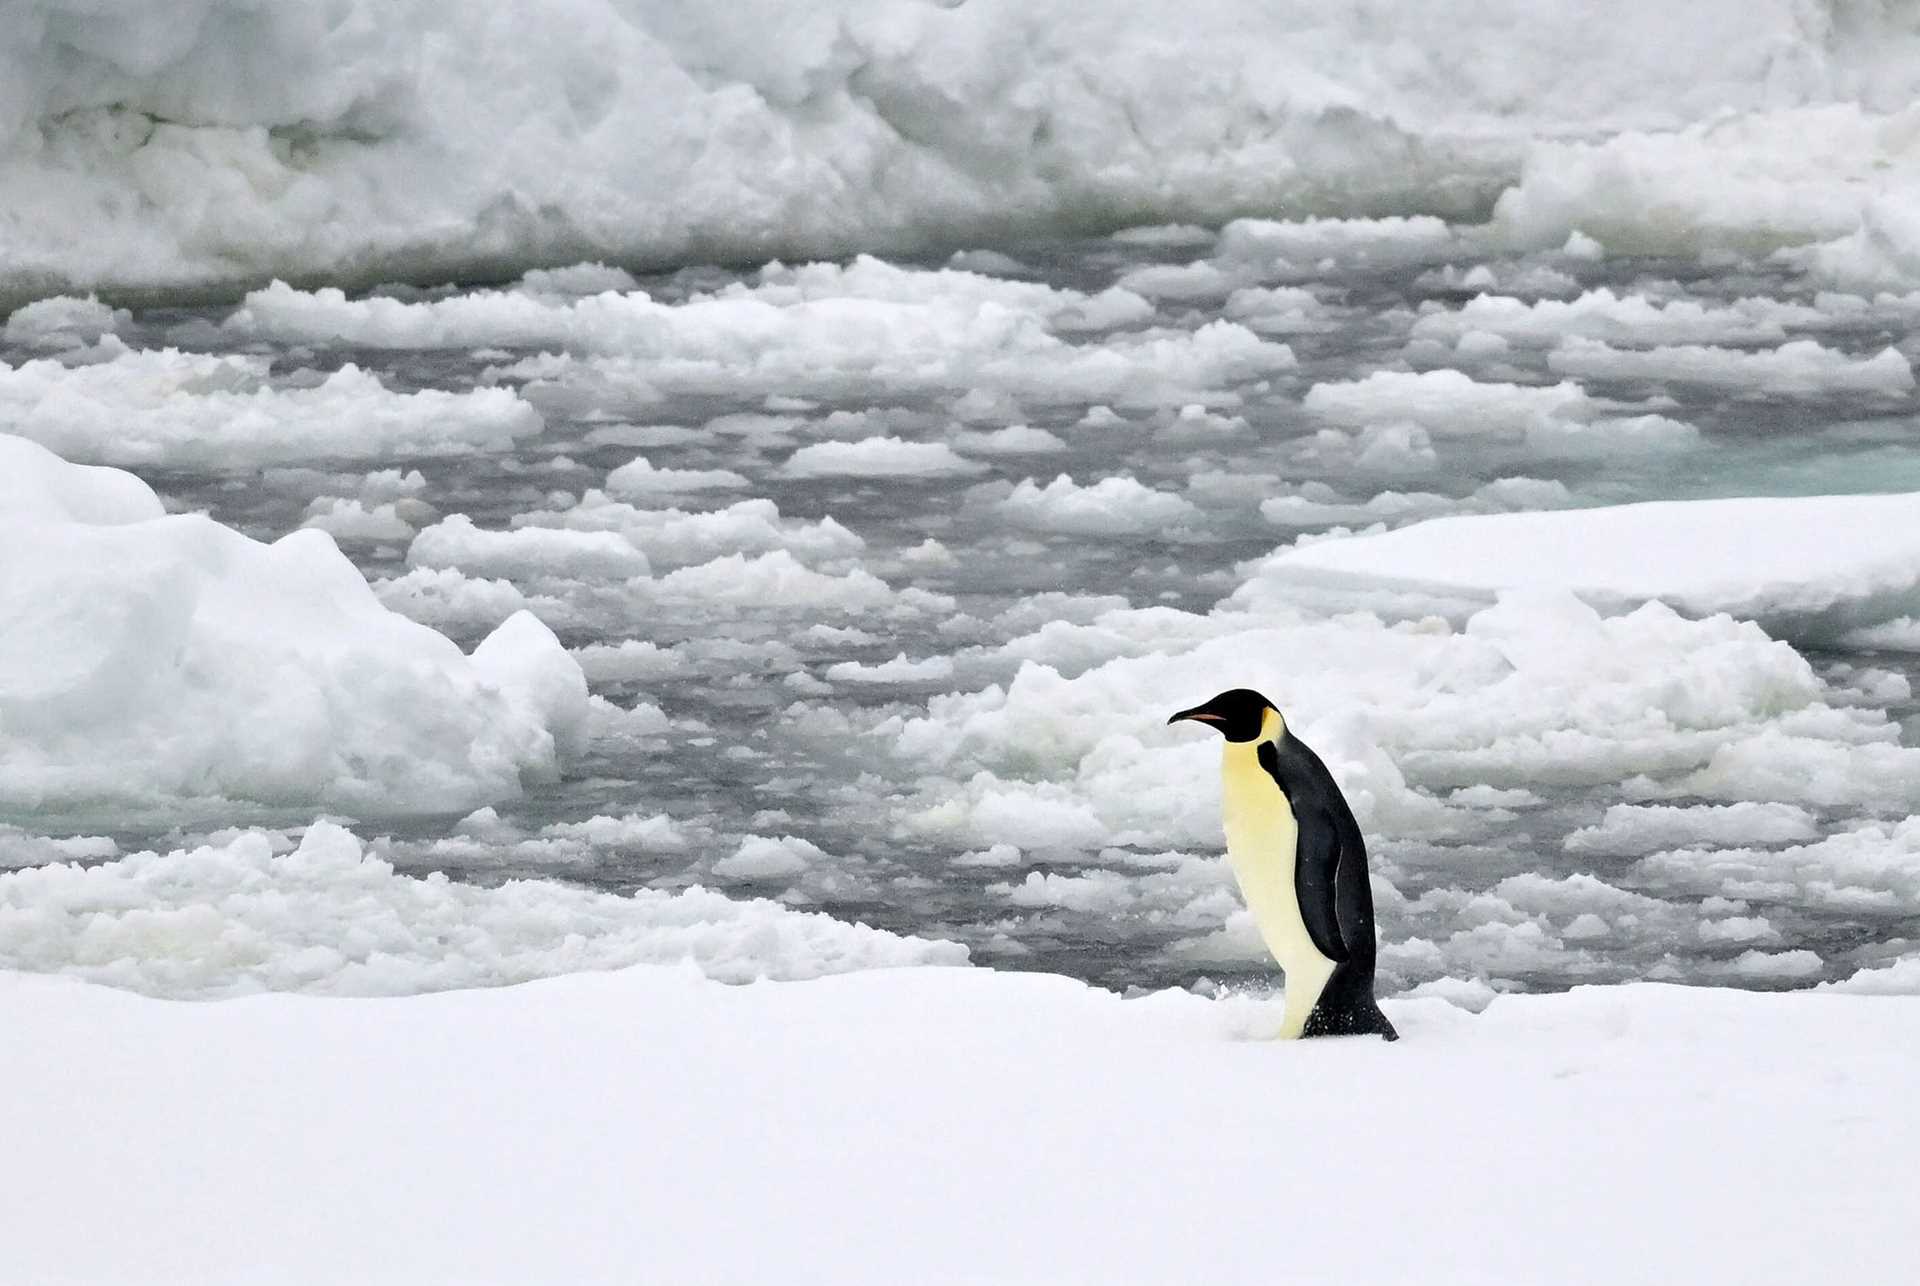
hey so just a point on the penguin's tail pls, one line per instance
(1348, 1010)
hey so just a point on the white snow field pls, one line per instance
(150, 659)
(952, 1125)
(203, 141)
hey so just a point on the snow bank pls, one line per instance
(192, 410)
(330, 918)
(225, 141)
(1796, 564)
(1123, 1141)
(149, 660)
(1834, 179)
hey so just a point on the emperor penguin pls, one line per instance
(1301, 865)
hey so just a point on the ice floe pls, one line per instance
(1803, 367)
(1797, 563)
(167, 407)
(153, 660)
(330, 917)
(1556, 419)
(1109, 507)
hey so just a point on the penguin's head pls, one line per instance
(1238, 715)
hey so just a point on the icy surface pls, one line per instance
(1126, 1141)
(328, 918)
(215, 141)
(151, 658)
(1826, 558)
(165, 407)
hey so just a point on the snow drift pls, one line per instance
(610, 1127)
(147, 659)
(204, 141)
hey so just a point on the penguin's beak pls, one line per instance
(1198, 712)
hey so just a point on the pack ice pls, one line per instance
(148, 659)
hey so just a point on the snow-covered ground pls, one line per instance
(940, 1125)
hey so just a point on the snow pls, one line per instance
(529, 552)
(878, 457)
(1872, 871)
(1811, 562)
(1102, 1139)
(1305, 242)
(1109, 507)
(1013, 440)
(1642, 828)
(1823, 177)
(1318, 506)
(331, 917)
(23, 848)
(933, 669)
(165, 407)
(372, 141)
(1802, 368)
(1630, 320)
(1899, 978)
(777, 578)
(763, 857)
(640, 476)
(266, 673)
(629, 661)
(63, 322)
(675, 537)
(353, 520)
(1534, 695)
(1558, 419)
(819, 330)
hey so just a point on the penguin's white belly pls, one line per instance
(1262, 841)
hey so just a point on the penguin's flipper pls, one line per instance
(1316, 866)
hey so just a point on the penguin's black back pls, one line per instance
(1331, 885)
